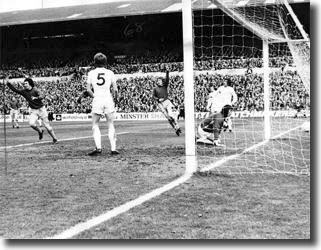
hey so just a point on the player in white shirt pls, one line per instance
(99, 83)
(211, 100)
(224, 95)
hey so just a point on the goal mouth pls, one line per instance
(264, 52)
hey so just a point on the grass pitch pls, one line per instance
(261, 194)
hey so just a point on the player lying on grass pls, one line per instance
(37, 107)
(99, 82)
(210, 128)
(160, 94)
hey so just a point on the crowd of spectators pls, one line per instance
(134, 64)
(135, 92)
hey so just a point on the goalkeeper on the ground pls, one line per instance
(210, 128)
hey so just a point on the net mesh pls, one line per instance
(228, 45)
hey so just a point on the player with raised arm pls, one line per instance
(99, 83)
(37, 107)
(160, 94)
(14, 112)
(210, 128)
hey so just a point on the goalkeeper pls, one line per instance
(210, 128)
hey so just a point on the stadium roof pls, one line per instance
(115, 8)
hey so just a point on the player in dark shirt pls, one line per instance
(211, 127)
(160, 94)
(38, 110)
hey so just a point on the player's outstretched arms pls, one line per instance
(167, 78)
(5, 80)
(14, 89)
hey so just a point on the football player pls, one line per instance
(225, 95)
(37, 107)
(14, 112)
(99, 83)
(160, 94)
(210, 128)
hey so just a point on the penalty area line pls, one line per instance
(59, 140)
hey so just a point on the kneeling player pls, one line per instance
(210, 128)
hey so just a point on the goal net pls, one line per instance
(263, 51)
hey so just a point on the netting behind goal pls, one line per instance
(229, 39)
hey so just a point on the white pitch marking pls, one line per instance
(212, 6)
(59, 140)
(242, 3)
(74, 15)
(123, 6)
(81, 227)
(173, 7)
(95, 221)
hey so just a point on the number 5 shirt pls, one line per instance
(101, 80)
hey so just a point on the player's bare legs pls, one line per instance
(96, 134)
(174, 119)
(14, 121)
(46, 124)
(33, 125)
(112, 133)
(167, 111)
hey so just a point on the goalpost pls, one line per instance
(190, 150)
(231, 36)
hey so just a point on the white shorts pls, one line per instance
(35, 114)
(14, 113)
(204, 135)
(168, 107)
(102, 106)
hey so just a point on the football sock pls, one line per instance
(51, 133)
(97, 136)
(112, 137)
